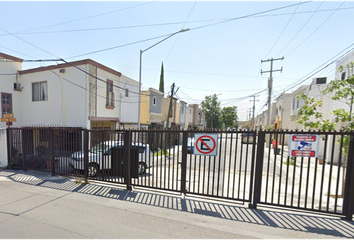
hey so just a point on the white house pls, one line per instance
(129, 102)
(83, 94)
(10, 88)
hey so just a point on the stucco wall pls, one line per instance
(3, 148)
(129, 105)
(66, 102)
(7, 86)
(102, 111)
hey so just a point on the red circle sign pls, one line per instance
(203, 139)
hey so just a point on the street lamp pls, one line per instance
(141, 53)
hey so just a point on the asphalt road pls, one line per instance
(37, 205)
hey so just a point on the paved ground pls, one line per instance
(38, 205)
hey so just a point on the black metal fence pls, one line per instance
(253, 167)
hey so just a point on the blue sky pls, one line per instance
(221, 53)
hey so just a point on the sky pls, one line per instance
(220, 54)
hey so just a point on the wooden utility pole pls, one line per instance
(253, 110)
(270, 85)
(170, 106)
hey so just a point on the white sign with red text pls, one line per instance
(303, 145)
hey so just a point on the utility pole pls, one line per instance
(253, 110)
(270, 84)
(170, 106)
(249, 110)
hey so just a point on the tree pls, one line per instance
(212, 111)
(161, 86)
(229, 117)
(340, 90)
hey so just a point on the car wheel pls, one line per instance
(142, 167)
(92, 170)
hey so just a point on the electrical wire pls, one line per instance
(314, 31)
(276, 41)
(75, 20)
(191, 29)
(291, 40)
(325, 65)
(250, 15)
(163, 24)
(176, 39)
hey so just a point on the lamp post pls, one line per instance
(141, 53)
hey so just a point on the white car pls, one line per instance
(99, 157)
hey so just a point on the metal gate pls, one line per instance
(317, 184)
(249, 166)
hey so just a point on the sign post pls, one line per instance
(206, 144)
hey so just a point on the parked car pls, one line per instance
(100, 157)
(190, 145)
(247, 137)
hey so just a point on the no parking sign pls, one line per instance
(206, 144)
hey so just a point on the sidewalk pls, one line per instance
(37, 205)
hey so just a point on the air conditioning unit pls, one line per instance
(321, 80)
(17, 86)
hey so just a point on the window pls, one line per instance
(109, 95)
(154, 101)
(6, 103)
(127, 92)
(39, 91)
(343, 76)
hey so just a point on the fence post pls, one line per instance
(23, 149)
(184, 163)
(9, 150)
(86, 149)
(51, 131)
(348, 201)
(254, 146)
(127, 161)
(259, 170)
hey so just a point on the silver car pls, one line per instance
(99, 157)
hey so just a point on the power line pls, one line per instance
(124, 45)
(159, 24)
(282, 31)
(250, 15)
(314, 31)
(208, 25)
(326, 65)
(300, 29)
(75, 20)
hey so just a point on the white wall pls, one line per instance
(66, 104)
(102, 111)
(3, 148)
(7, 86)
(343, 62)
(130, 104)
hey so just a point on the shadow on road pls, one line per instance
(325, 225)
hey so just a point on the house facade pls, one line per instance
(129, 102)
(151, 108)
(10, 89)
(83, 94)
